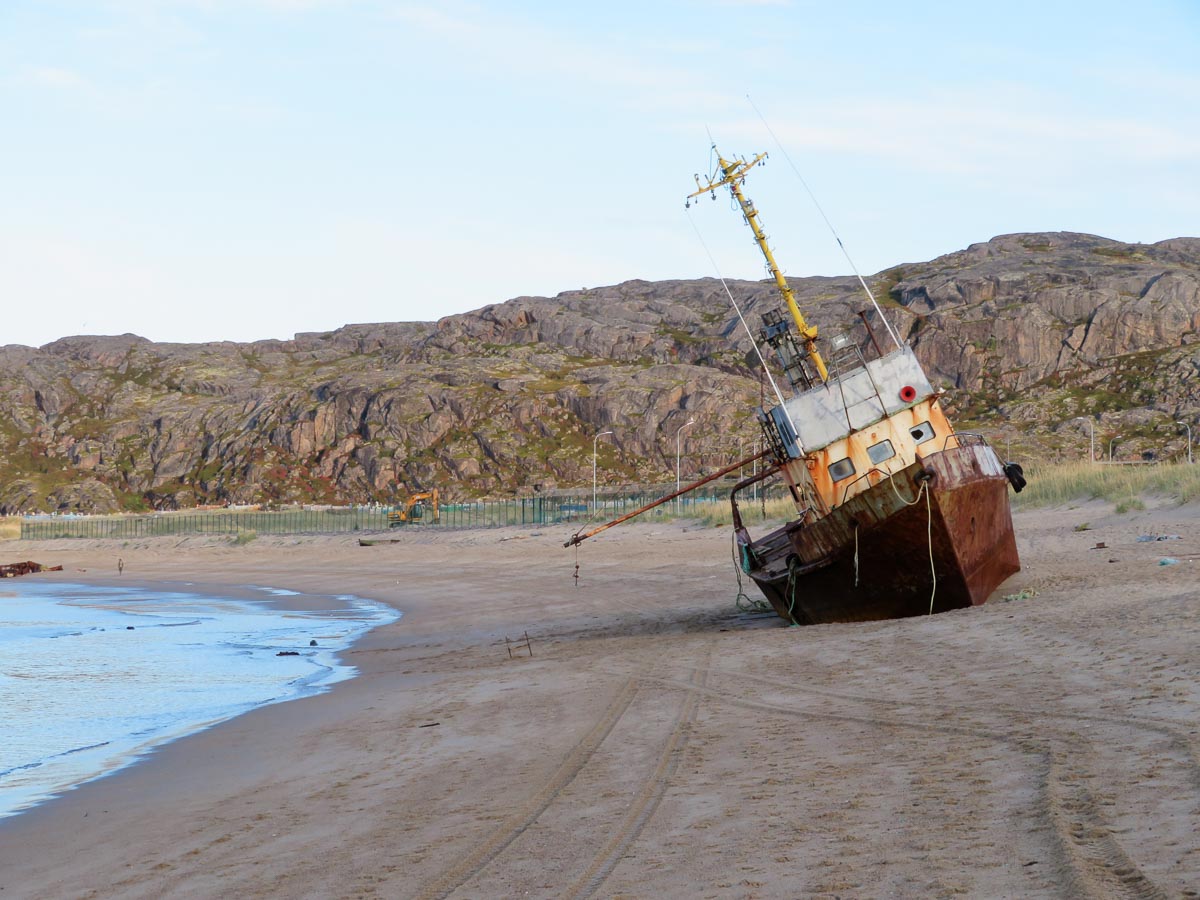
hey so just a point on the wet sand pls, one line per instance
(661, 743)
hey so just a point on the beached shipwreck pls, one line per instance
(897, 514)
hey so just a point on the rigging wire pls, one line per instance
(924, 489)
(832, 230)
(742, 319)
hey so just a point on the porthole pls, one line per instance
(881, 451)
(922, 433)
(841, 470)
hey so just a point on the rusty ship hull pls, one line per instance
(870, 558)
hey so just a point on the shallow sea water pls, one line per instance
(93, 677)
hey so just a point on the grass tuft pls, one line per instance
(1059, 484)
(715, 513)
(1125, 486)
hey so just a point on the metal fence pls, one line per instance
(337, 520)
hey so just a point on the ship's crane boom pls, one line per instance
(732, 174)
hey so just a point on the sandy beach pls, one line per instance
(661, 743)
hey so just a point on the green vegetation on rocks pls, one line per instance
(1042, 340)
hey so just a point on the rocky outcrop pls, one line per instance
(1040, 329)
(1022, 307)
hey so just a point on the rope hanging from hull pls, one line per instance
(743, 601)
(924, 489)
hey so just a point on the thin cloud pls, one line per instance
(289, 6)
(159, 6)
(525, 46)
(976, 135)
(55, 77)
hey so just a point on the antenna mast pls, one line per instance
(733, 173)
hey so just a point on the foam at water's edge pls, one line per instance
(96, 677)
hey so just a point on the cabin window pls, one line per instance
(881, 451)
(841, 470)
(922, 433)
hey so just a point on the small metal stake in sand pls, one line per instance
(516, 645)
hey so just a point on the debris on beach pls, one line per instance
(1023, 594)
(29, 567)
(1151, 538)
(520, 647)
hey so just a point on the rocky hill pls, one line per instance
(1034, 335)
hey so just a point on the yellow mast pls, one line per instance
(733, 173)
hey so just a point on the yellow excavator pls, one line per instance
(414, 509)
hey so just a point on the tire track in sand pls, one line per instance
(475, 861)
(1097, 864)
(1085, 842)
(648, 798)
(1172, 731)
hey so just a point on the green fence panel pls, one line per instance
(481, 514)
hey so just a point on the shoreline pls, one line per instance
(659, 741)
(350, 618)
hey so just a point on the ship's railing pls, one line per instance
(762, 493)
(867, 475)
(856, 342)
(973, 438)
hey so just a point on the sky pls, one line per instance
(197, 170)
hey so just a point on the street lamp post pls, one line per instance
(1189, 431)
(754, 466)
(679, 431)
(1092, 429)
(595, 440)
